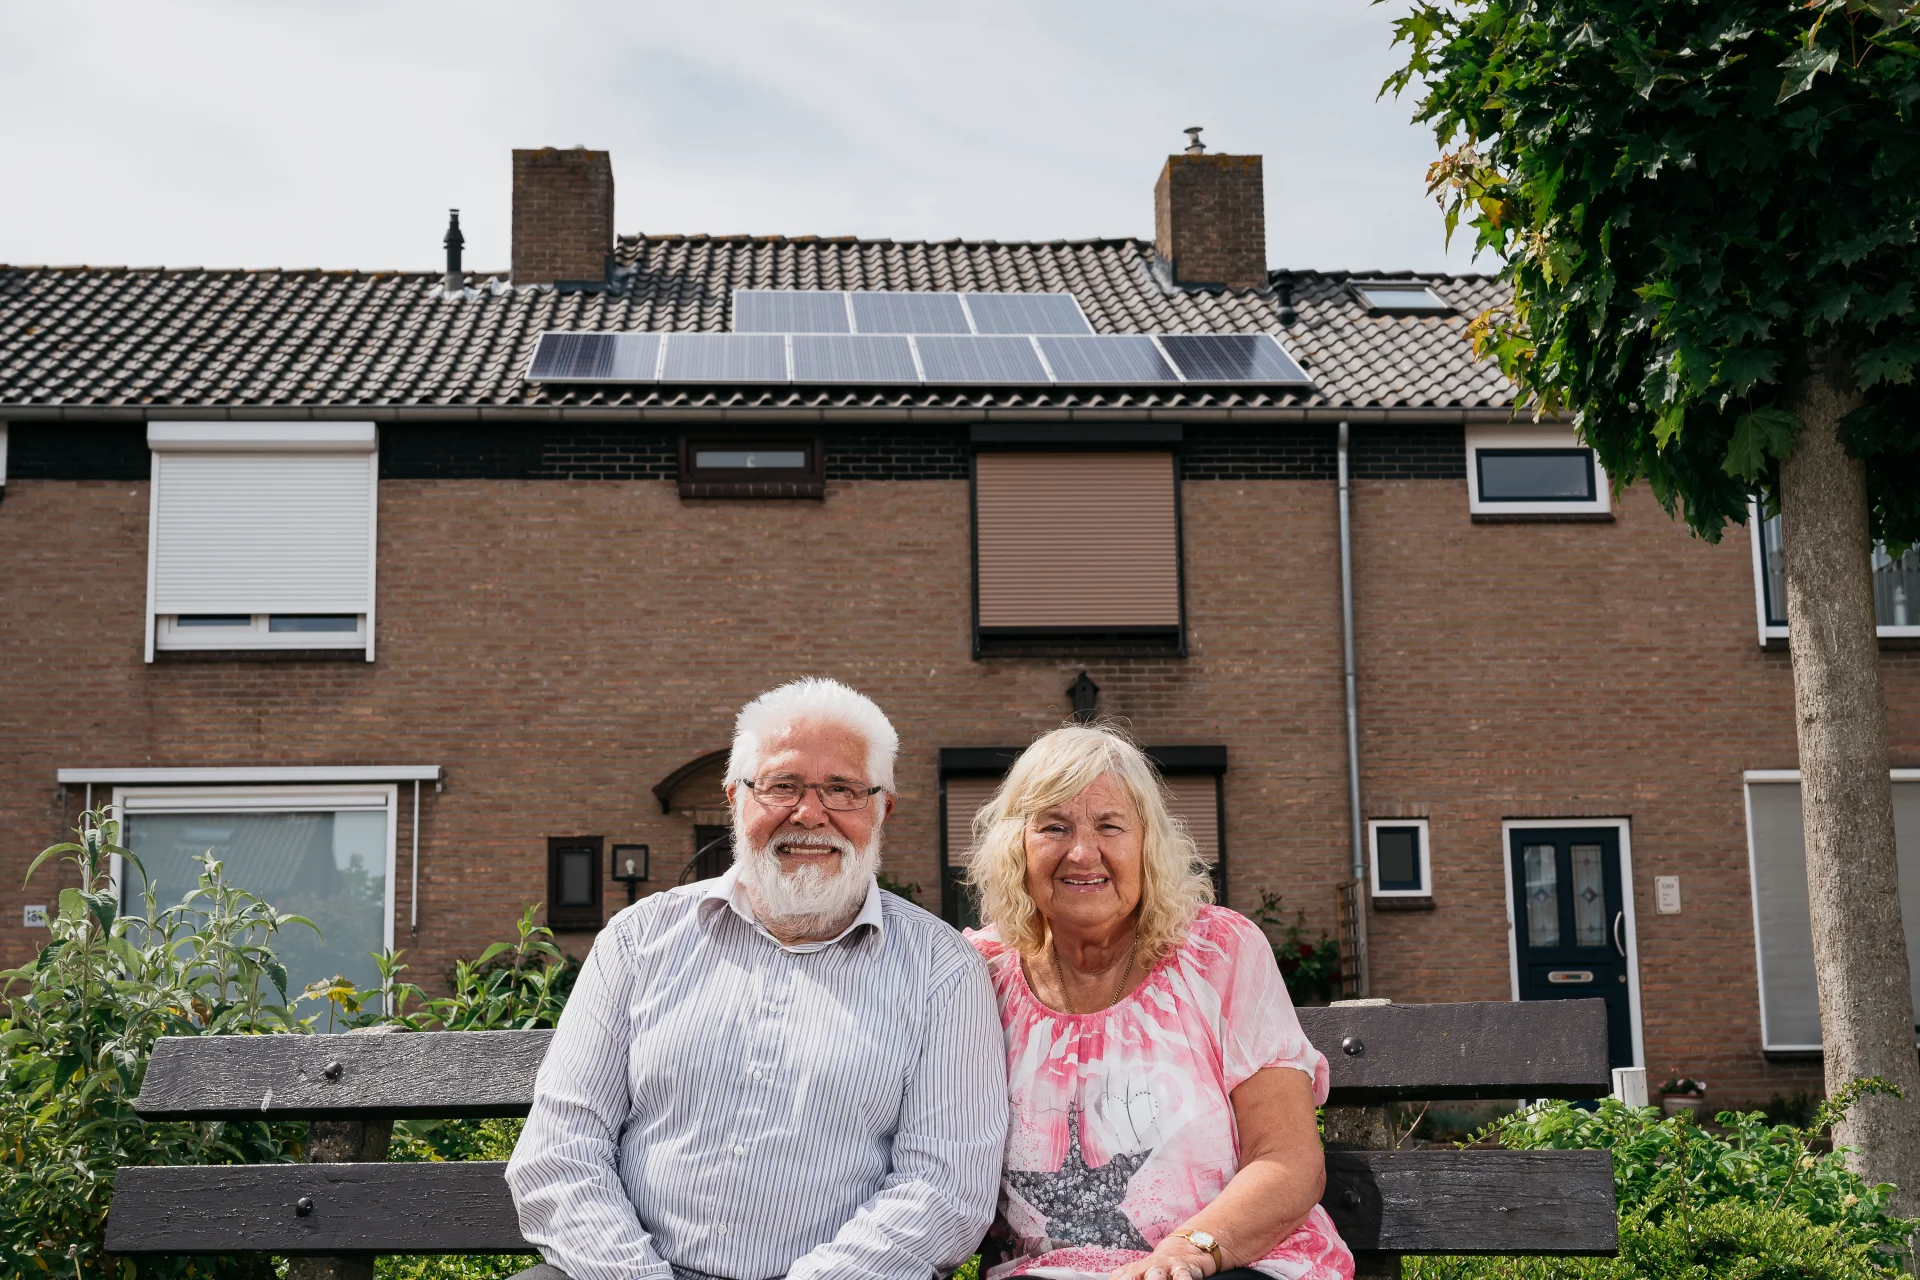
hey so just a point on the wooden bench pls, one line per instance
(1386, 1203)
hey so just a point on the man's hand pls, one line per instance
(1177, 1258)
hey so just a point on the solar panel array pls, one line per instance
(917, 359)
(869, 311)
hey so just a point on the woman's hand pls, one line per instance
(1177, 1258)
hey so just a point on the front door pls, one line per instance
(1571, 926)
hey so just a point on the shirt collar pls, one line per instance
(728, 890)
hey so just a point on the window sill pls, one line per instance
(575, 925)
(753, 489)
(1050, 642)
(260, 655)
(1423, 902)
(1543, 517)
(1888, 644)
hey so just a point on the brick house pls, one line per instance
(304, 567)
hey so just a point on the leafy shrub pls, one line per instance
(437, 1140)
(1754, 1201)
(77, 1026)
(1311, 970)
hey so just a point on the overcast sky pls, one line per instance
(337, 133)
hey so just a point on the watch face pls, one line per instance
(1202, 1238)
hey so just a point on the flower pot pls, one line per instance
(1673, 1104)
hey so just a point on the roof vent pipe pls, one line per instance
(455, 242)
(1195, 147)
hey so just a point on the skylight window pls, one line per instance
(1401, 298)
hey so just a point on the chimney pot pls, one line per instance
(1210, 219)
(1195, 147)
(562, 215)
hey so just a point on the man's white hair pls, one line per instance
(813, 700)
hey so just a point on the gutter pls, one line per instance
(603, 415)
(1352, 681)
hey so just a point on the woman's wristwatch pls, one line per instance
(1202, 1240)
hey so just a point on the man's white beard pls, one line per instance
(812, 900)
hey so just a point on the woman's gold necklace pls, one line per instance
(1119, 989)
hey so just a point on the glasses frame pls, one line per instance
(866, 797)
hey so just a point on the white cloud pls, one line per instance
(223, 134)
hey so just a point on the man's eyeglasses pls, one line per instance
(785, 793)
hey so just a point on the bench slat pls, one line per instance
(1497, 1049)
(1492, 1049)
(1487, 1202)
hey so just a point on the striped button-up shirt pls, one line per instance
(715, 1103)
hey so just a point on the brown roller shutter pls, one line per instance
(1196, 800)
(1077, 541)
(964, 798)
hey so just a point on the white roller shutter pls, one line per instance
(262, 518)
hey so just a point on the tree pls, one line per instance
(1709, 213)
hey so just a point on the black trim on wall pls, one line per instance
(69, 451)
(1106, 437)
(1391, 451)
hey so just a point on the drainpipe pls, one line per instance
(1359, 867)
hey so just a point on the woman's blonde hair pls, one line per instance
(1174, 882)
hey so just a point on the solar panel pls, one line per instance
(789, 311)
(909, 313)
(1232, 357)
(1005, 360)
(726, 357)
(854, 357)
(1026, 313)
(595, 357)
(1119, 358)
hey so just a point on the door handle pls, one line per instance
(1619, 918)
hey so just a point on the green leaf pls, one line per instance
(1802, 66)
(277, 974)
(104, 909)
(1757, 438)
(51, 851)
(1892, 363)
(1742, 368)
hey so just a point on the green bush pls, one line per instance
(1750, 1200)
(77, 1026)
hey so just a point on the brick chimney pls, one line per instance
(562, 215)
(1210, 218)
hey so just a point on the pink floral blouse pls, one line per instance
(1122, 1125)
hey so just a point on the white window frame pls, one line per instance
(1625, 827)
(1373, 857)
(163, 631)
(1771, 634)
(282, 798)
(1543, 436)
(1748, 780)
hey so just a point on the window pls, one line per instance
(573, 882)
(262, 536)
(1782, 927)
(752, 467)
(1534, 473)
(1400, 297)
(1076, 551)
(1401, 867)
(1194, 776)
(323, 852)
(1896, 585)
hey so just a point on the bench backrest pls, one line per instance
(1431, 1201)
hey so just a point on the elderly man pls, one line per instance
(783, 1071)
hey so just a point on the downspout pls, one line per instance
(1359, 867)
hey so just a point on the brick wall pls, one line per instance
(561, 645)
(562, 214)
(1210, 220)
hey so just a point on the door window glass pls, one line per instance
(1543, 896)
(1589, 897)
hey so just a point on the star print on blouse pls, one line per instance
(1082, 1205)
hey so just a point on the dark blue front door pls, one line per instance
(1571, 922)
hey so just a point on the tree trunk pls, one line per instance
(1846, 796)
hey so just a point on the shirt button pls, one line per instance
(720, 1230)
(739, 1151)
(756, 1075)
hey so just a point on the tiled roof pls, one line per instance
(92, 338)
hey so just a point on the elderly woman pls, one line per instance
(1162, 1091)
